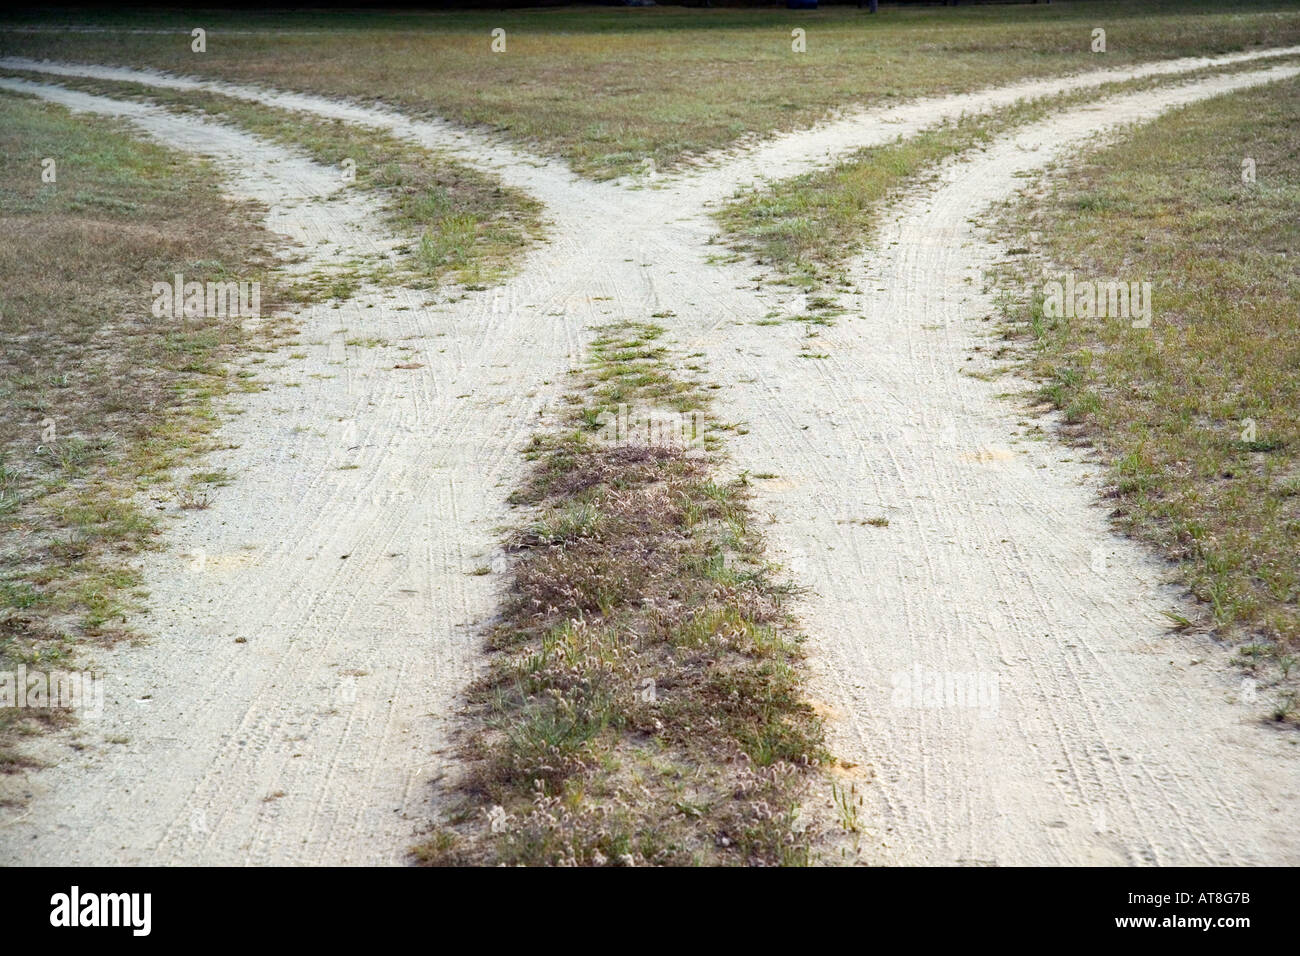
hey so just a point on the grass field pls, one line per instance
(608, 89)
(1198, 417)
(632, 687)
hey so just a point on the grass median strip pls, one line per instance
(101, 402)
(643, 704)
(462, 224)
(1198, 416)
(806, 227)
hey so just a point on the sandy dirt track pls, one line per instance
(1112, 741)
(318, 740)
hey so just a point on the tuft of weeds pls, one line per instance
(643, 705)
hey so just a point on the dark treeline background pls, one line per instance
(415, 5)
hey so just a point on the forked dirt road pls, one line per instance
(365, 497)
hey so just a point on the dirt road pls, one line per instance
(365, 496)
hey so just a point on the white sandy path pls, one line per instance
(402, 608)
(549, 180)
(789, 154)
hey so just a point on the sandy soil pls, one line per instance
(322, 739)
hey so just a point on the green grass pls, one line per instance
(609, 88)
(1169, 406)
(99, 400)
(644, 702)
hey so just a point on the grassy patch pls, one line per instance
(1198, 416)
(644, 704)
(99, 400)
(609, 88)
(461, 223)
